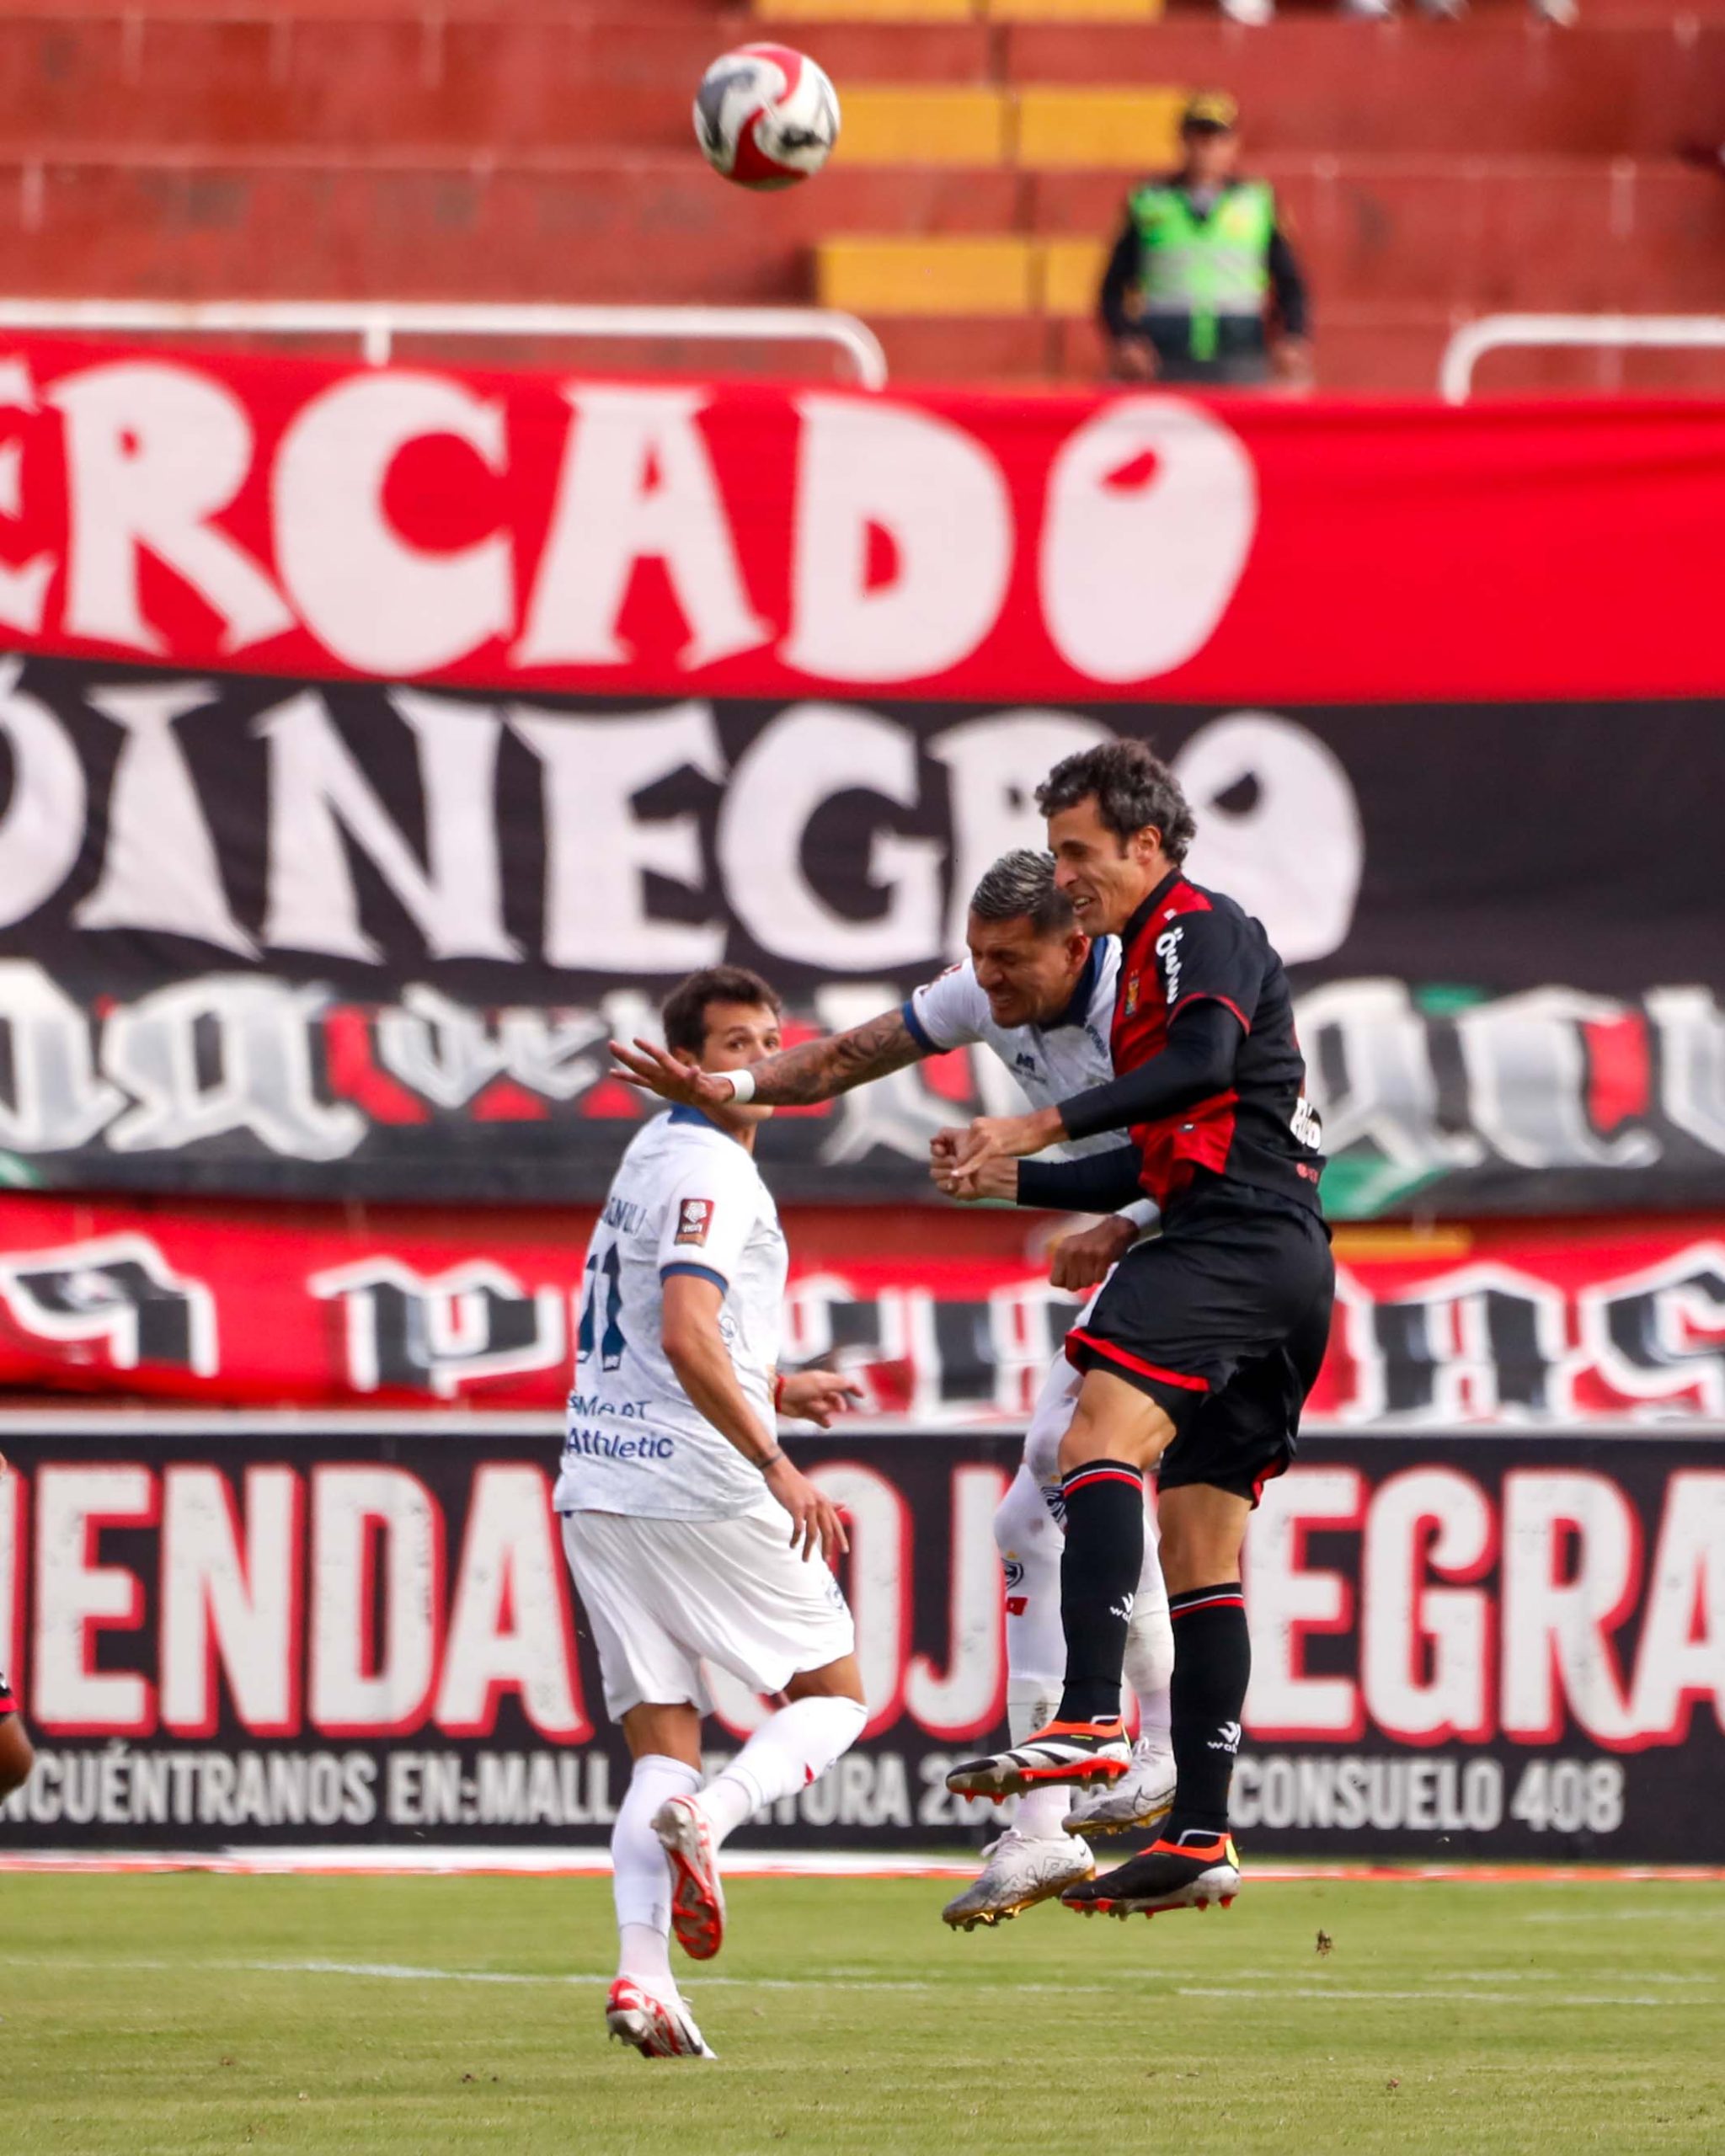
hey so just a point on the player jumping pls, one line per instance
(1040, 993)
(1201, 1349)
(16, 1757)
(675, 1496)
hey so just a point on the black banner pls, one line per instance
(263, 936)
(274, 1632)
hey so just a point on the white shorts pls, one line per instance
(662, 1595)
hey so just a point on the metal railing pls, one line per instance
(1494, 333)
(377, 323)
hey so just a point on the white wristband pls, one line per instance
(742, 1084)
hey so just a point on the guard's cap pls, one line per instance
(1211, 112)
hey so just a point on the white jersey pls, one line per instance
(686, 1198)
(1050, 1062)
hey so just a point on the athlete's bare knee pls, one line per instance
(1112, 1420)
(839, 1680)
(664, 1729)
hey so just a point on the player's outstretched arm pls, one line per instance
(695, 1348)
(796, 1077)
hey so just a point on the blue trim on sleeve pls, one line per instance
(699, 1272)
(917, 1031)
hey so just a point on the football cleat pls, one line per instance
(697, 1897)
(656, 2027)
(1140, 1798)
(1065, 1752)
(1189, 1874)
(1021, 1871)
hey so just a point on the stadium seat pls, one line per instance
(1072, 11)
(928, 277)
(1063, 130)
(872, 11)
(925, 127)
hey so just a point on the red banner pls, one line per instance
(314, 520)
(330, 1306)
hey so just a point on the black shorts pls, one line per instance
(1223, 1321)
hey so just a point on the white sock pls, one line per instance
(1150, 1643)
(1030, 1544)
(1150, 1669)
(640, 1870)
(791, 1749)
(1040, 1813)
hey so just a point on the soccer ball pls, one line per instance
(766, 116)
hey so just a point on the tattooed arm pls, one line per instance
(795, 1077)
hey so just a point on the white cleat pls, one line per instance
(657, 2028)
(1020, 1872)
(1141, 1797)
(698, 1897)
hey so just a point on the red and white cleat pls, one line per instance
(657, 2028)
(698, 1898)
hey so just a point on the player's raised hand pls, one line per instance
(817, 1396)
(814, 1518)
(654, 1069)
(1080, 1261)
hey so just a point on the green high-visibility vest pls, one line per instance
(1203, 267)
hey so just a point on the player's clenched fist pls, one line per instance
(997, 1177)
(814, 1518)
(1081, 1261)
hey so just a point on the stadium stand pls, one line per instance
(514, 149)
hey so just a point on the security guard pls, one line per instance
(1202, 285)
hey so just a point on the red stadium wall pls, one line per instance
(1433, 171)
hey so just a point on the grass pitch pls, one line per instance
(158, 2016)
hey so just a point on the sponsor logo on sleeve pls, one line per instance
(694, 1219)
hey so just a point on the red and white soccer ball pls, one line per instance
(766, 116)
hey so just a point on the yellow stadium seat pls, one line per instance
(1071, 11)
(1073, 130)
(917, 126)
(865, 11)
(1070, 275)
(928, 276)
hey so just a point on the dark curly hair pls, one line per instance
(1132, 788)
(683, 1013)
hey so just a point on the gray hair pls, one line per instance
(1020, 886)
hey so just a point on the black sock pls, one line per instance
(1212, 1662)
(1099, 1569)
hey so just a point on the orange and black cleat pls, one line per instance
(1080, 1752)
(1189, 1874)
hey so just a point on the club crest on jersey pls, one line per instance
(694, 1219)
(1131, 994)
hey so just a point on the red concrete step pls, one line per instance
(1574, 235)
(1369, 350)
(369, 75)
(597, 229)
(1497, 84)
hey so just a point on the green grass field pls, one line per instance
(157, 2016)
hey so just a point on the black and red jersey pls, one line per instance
(1185, 944)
